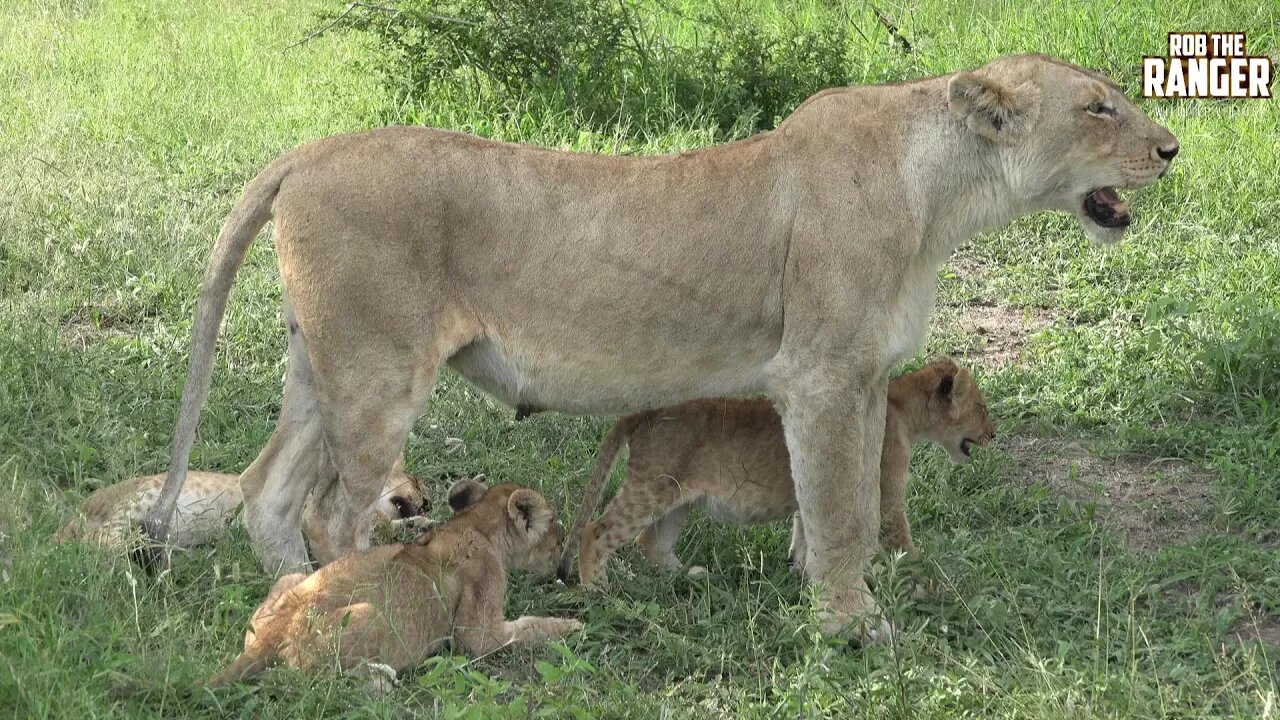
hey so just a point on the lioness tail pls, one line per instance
(241, 227)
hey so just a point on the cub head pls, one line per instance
(527, 527)
(956, 412)
(402, 497)
(1066, 138)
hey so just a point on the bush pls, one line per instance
(622, 64)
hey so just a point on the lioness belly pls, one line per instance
(627, 384)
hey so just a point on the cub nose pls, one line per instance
(1168, 153)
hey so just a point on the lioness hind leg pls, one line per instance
(368, 410)
(658, 541)
(276, 484)
(637, 505)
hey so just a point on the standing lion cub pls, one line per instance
(108, 516)
(730, 455)
(390, 607)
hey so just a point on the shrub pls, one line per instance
(622, 64)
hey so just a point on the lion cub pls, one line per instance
(208, 502)
(730, 455)
(392, 606)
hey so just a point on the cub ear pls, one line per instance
(530, 513)
(992, 110)
(946, 385)
(466, 492)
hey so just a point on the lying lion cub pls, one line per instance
(392, 606)
(730, 455)
(207, 503)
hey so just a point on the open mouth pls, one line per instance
(1105, 207)
(966, 447)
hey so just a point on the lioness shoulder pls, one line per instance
(730, 456)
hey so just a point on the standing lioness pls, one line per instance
(801, 262)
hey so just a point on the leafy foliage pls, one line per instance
(611, 63)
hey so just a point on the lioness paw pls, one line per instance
(867, 626)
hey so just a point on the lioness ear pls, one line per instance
(465, 493)
(530, 513)
(990, 109)
(946, 385)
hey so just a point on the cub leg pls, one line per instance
(658, 541)
(895, 529)
(795, 555)
(479, 628)
(636, 506)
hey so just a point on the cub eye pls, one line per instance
(1100, 108)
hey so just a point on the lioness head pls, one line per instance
(1068, 137)
(956, 413)
(527, 526)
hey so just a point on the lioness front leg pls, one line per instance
(834, 430)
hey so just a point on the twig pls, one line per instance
(51, 166)
(322, 30)
(379, 8)
(893, 29)
(420, 15)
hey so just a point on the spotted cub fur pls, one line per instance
(109, 516)
(730, 456)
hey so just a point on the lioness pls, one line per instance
(395, 605)
(800, 263)
(730, 456)
(209, 500)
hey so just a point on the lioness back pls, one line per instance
(730, 456)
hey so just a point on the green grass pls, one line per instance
(127, 129)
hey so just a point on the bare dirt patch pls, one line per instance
(1265, 630)
(89, 325)
(1153, 502)
(999, 333)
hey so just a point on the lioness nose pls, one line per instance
(1168, 153)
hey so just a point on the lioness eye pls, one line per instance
(1100, 108)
